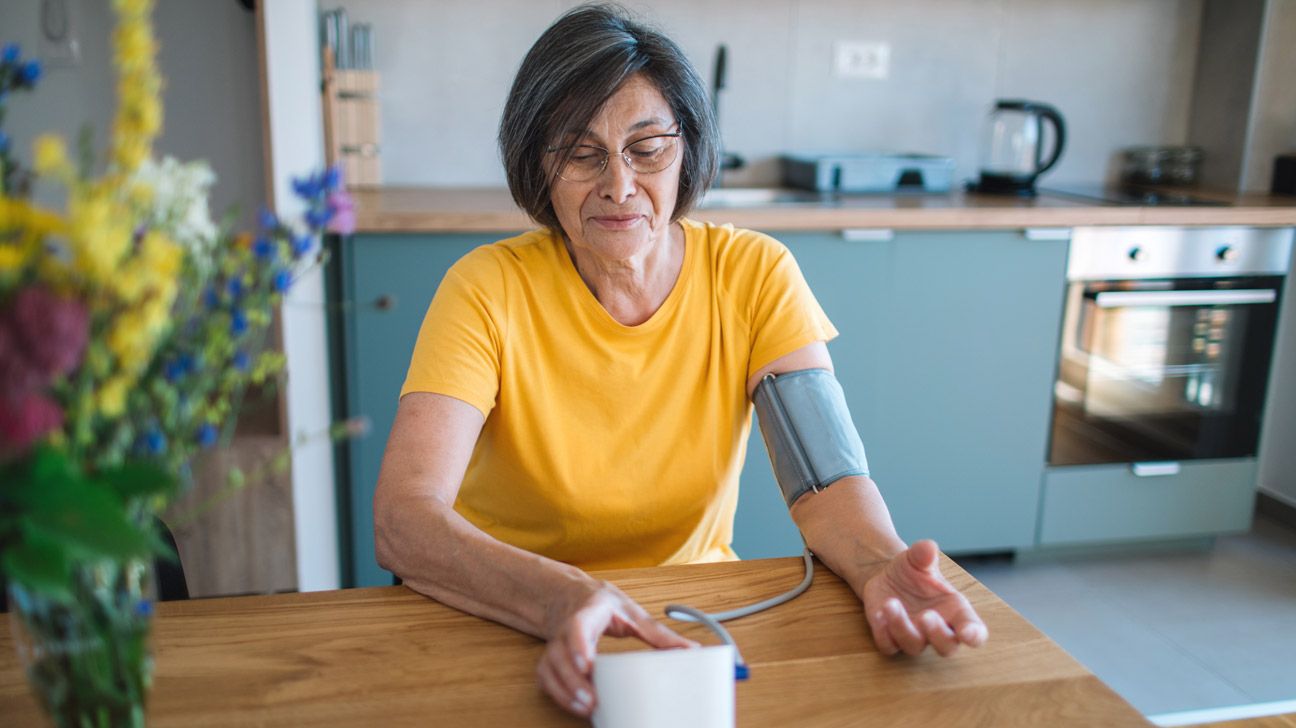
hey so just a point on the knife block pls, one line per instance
(351, 129)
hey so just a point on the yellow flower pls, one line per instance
(99, 231)
(50, 155)
(111, 397)
(12, 258)
(133, 7)
(160, 255)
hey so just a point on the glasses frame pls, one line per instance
(607, 154)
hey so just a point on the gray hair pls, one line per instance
(571, 71)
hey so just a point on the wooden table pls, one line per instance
(388, 656)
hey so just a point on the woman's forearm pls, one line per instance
(847, 525)
(438, 553)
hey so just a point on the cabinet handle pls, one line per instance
(1149, 470)
(868, 235)
(385, 302)
(1047, 233)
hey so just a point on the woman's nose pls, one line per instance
(617, 179)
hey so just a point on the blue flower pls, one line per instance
(242, 361)
(210, 298)
(144, 608)
(308, 187)
(173, 370)
(302, 245)
(29, 73)
(155, 442)
(267, 219)
(235, 286)
(282, 280)
(332, 177)
(11, 53)
(318, 217)
(4, 141)
(207, 435)
(263, 248)
(238, 322)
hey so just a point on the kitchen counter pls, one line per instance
(387, 656)
(463, 209)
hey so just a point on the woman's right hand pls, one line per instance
(566, 669)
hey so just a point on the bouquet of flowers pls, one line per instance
(130, 325)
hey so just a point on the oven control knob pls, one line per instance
(1136, 254)
(1226, 253)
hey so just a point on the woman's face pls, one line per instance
(620, 214)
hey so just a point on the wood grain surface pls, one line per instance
(461, 209)
(390, 657)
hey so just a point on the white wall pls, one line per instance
(1120, 71)
(296, 146)
(207, 54)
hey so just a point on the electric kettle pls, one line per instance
(1012, 150)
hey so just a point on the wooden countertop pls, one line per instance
(461, 209)
(390, 657)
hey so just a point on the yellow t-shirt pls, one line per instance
(607, 445)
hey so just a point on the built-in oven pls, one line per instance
(1167, 339)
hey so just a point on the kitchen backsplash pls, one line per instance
(1121, 71)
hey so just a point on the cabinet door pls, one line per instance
(851, 280)
(1088, 504)
(968, 356)
(946, 356)
(387, 282)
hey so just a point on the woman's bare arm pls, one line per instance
(437, 552)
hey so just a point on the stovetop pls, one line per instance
(1131, 196)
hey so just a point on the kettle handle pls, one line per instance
(1059, 126)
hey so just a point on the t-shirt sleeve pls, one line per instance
(457, 352)
(785, 315)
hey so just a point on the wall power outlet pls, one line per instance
(861, 59)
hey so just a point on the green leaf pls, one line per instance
(82, 515)
(138, 479)
(40, 564)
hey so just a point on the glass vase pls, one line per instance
(86, 655)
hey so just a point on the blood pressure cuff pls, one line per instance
(808, 431)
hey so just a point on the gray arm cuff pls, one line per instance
(808, 431)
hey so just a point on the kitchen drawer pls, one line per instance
(1108, 503)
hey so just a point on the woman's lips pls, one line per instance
(617, 222)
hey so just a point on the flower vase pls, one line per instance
(86, 654)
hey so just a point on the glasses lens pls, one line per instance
(652, 154)
(585, 163)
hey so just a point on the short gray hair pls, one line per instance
(571, 71)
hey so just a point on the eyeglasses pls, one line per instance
(645, 156)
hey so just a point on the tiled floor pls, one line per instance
(1170, 632)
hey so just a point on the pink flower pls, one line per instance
(26, 421)
(51, 329)
(18, 376)
(343, 208)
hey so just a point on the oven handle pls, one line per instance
(1114, 299)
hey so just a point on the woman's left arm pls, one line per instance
(907, 601)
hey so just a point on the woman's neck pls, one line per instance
(632, 289)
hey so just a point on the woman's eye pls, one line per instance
(586, 156)
(646, 150)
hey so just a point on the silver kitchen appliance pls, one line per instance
(1012, 146)
(1167, 340)
(867, 172)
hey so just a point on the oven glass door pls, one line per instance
(1163, 369)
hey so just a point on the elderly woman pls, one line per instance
(580, 396)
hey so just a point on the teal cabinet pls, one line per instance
(385, 282)
(1094, 504)
(946, 354)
